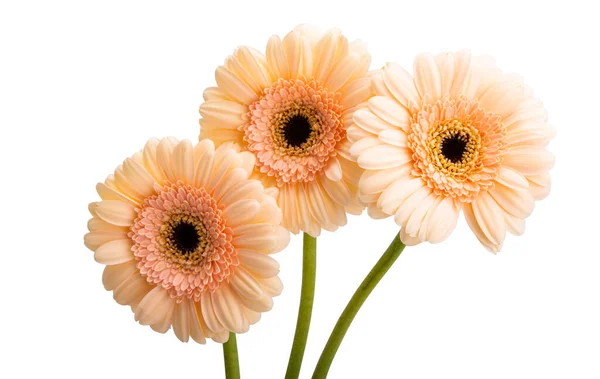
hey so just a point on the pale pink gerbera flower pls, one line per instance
(461, 136)
(291, 108)
(185, 236)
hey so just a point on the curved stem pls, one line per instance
(362, 292)
(309, 269)
(230, 355)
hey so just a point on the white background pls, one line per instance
(83, 84)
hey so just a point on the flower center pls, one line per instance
(297, 130)
(294, 129)
(457, 147)
(182, 241)
(453, 148)
(185, 237)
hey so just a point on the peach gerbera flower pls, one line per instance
(291, 108)
(185, 236)
(461, 136)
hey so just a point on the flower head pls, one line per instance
(460, 136)
(291, 108)
(185, 236)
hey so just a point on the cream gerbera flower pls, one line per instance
(291, 109)
(460, 136)
(185, 237)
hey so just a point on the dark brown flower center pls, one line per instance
(453, 148)
(185, 237)
(297, 130)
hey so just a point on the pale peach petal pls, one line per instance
(273, 285)
(490, 218)
(393, 137)
(383, 156)
(132, 290)
(263, 243)
(333, 170)
(149, 159)
(154, 307)
(214, 93)
(529, 160)
(229, 181)
(400, 83)
(259, 263)
(228, 114)
(115, 212)
(362, 145)
(225, 160)
(265, 304)
(204, 166)
(504, 97)
(107, 193)
(93, 240)
(246, 286)
(277, 59)
(338, 191)
(242, 211)
(114, 252)
(248, 161)
(299, 54)
(518, 203)
(253, 63)
(227, 308)
(514, 225)
(389, 111)
(443, 220)
(196, 321)
(114, 275)
(377, 181)
(342, 72)
(427, 77)
(247, 189)
(397, 193)
(164, 155)
(234, 86)
(305, 220)
(376, 213)
(356, 91)
(183, 156)
(407, 208)
(181, 321)
(511, 178)
(379, 85)
(325, 53)
(478, 231)
(208, 312)
(407, 239)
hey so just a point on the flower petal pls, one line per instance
(390, 111)
(114, 252)
(383, 156)
(115, 212)
(427, 77)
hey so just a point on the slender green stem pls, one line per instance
(362, 292)
(230, 355)
(309, 269)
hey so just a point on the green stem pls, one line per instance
(362, 292)
(309, 269)
(230, 355)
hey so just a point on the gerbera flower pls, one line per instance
(291, 108)
(461, 136)
(185, 236)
